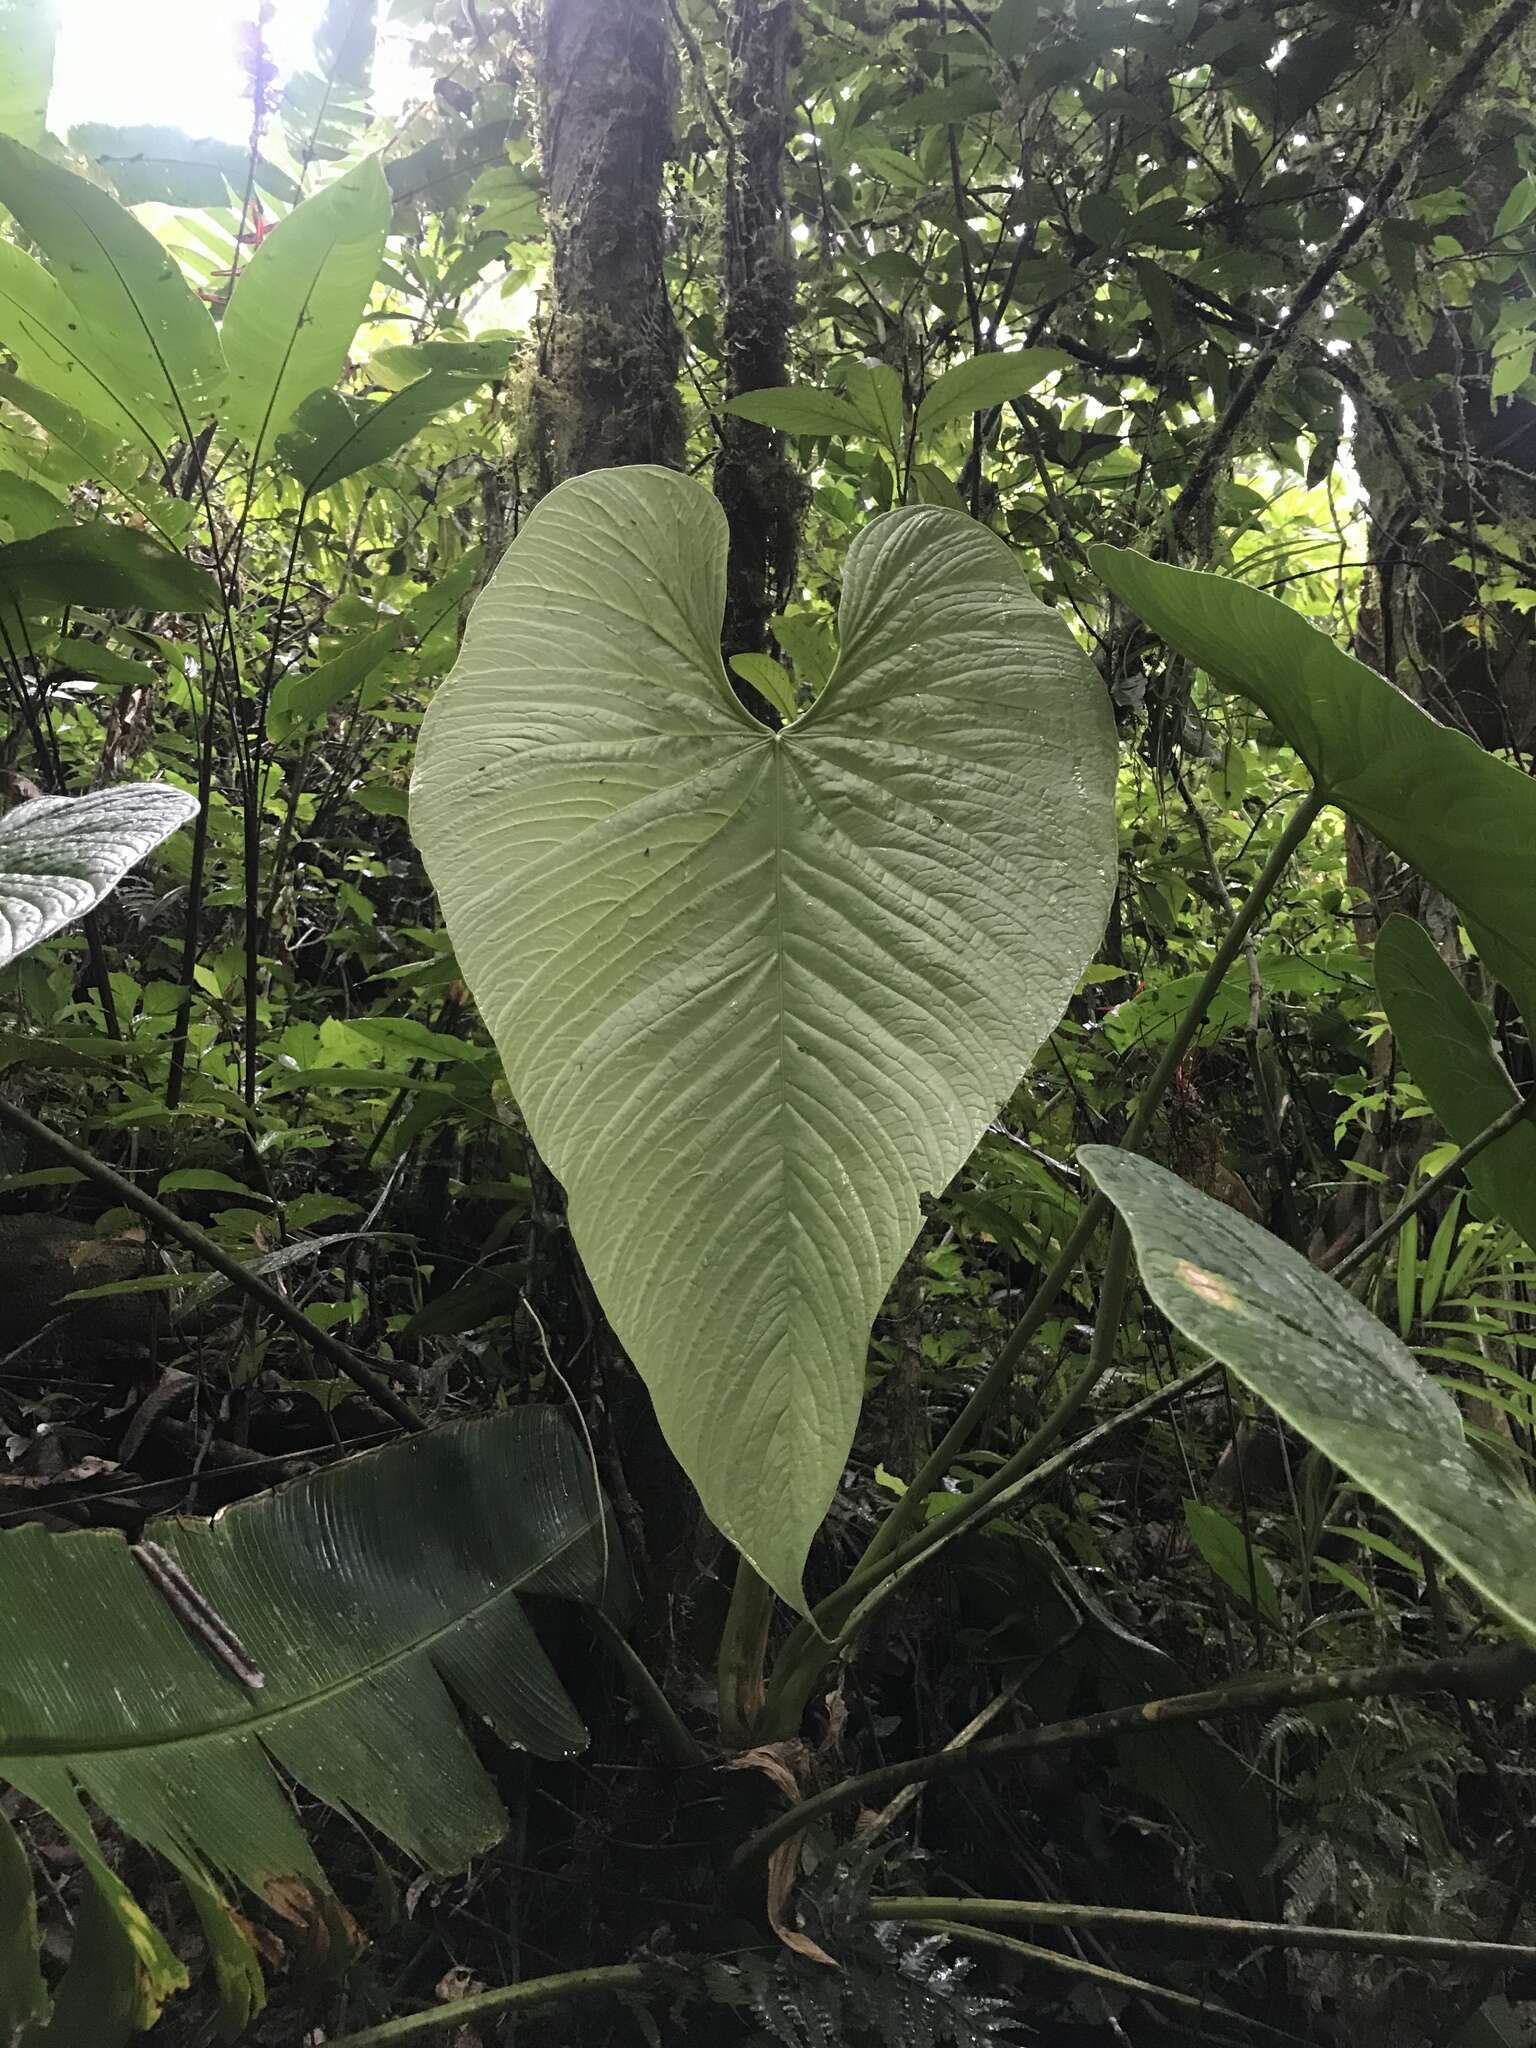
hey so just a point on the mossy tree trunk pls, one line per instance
(755, 481)
(607, 392)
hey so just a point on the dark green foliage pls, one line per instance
(1024, 259)
(889, 1988)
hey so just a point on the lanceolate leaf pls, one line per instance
(1466, 820)
(406, 362)
(331, 440)
(799, 409)
(985, 381)
(23, 1996)
(1448, 1048)
(758, 992)
(298, 303)
(137, 308)
(344, 42)
(300, 701)
(28, 507)
(60, 855)
(1308, 1348)
(365, 1626)
(107, 567)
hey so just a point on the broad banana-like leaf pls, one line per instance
(72, 369)
(1448, 1048)
(1465, 819)
(329, 1629)
(129, 294)
(1304, 1344)
(299, 301)
(102, 566)
(150, 163)
(757, 992)
(60, 855)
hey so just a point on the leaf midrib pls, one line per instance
(253, 1724)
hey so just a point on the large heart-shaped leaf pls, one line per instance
(357, 1628)
(1465, 819)
(1446, 1042)
(1304, 1344)
(60, 855)
(757, 992)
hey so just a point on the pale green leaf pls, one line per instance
(1302, 1343)
(508, 203)
(139, 312)
(298, 302)
(1447, 1044)
(757, 993)
(809, 641)
(60, 855)
(930, 486)
(985, 381)
(798, 409)
(1371, 749)
(110, 459)
(381, 800)
(27, 32)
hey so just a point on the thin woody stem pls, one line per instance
(1196, 1929)
(1508, 1669)
(134, 1197)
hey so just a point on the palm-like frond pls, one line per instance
(368, 1601)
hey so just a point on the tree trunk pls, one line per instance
(757, 485)
(608, 389)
